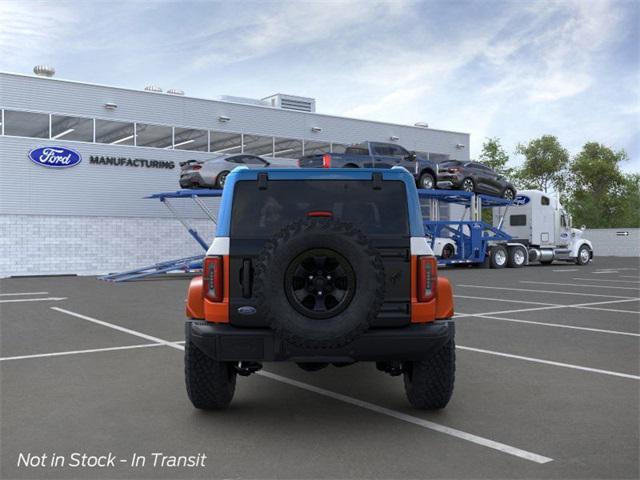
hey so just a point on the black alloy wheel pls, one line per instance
(468, 185)
(508, 194)
(320, 283)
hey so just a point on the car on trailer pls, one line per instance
(377, 155)
(319, 267)
(212, 173)
(474, 177)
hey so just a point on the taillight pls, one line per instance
(326, 160)
(454, 170)
(320, 213)
(212, 273)
(196, 167)
(427, 278)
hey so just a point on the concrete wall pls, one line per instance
(612, 241)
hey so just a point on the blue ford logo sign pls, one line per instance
(521, 200)
(55, 157)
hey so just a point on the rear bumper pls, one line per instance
(228, 343)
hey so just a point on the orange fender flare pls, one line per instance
(195, 300)
(444, 298)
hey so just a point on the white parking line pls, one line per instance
(549, 362)
(75, 352)
(605, 280)
(557, 325)
(533, 457)
(504, 300)
(628, 276)
(119, 328)
(545, 291)
(605, 272)
(23, 293)
(581, 285)
(552, 306)
(48, 299)
(91, 350)
(567, 270)
(485, 442)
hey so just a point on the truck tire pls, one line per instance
(584, 255)
(427, 181)
(428, 384)
(210, 384)
(498, 257)
(517, 257)
(319, 262)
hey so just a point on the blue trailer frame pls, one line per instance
(472, 237)
(186, 264)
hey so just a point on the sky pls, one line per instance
(515, 70)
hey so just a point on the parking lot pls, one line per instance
(546, 386)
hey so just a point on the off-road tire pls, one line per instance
(273, 303)
(428, 384)
(210, 384)
(427, 177)
(512, 260)
(498, 253)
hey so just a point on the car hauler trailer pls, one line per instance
(538, 221)
(470, 240)
(532, 228)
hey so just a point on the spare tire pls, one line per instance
(319, 283)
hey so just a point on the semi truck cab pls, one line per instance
(538, 221)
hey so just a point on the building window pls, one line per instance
(157, 136)
(26, 124)
(190, 139)
(338, 147)
(224, 142)
(71, 128)
(258, 145)
(287, 148)
(114, 133)
(315, 148)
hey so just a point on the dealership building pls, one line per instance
(93, 217)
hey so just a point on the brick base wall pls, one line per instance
(53, 245)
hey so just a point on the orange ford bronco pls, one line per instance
(320, 267)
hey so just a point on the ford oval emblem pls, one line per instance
(55, 157)
(246, 310)
(521, 200)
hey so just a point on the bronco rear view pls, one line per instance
(319, 267)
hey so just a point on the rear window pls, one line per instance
(356, 151)
(262, 213)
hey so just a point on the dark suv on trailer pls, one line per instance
(317, 267)
(474, 177)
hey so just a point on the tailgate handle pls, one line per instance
(245, 278)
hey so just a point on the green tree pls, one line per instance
(600, 195)
(494, 156)
(545, 164)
